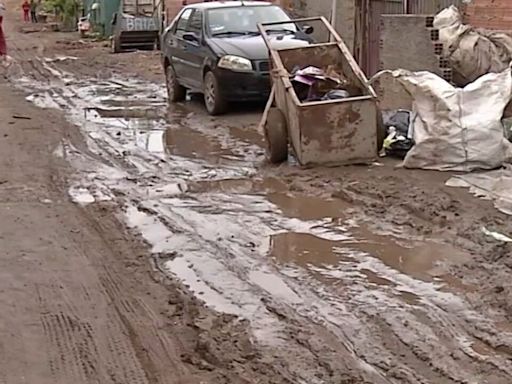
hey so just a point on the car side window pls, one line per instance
(196, 23)
(182, 24)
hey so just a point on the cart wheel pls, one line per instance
(277, 136)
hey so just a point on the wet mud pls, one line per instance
(334, 290)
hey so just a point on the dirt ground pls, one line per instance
(143, 244)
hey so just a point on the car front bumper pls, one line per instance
(243, 86)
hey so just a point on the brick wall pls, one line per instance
(490, 14)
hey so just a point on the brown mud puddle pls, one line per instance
(286, 262)
(425, 260)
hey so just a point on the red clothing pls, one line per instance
(26, 9)
(3, 45)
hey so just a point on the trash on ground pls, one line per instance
(398, 126)
(59, 59)
(471, 52)
(493, 185)
(496, 235)
(21, 117)
(457, 129)
(315, 84)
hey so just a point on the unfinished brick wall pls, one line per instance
(408, 42)
(490, 14)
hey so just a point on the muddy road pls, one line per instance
(190, 260)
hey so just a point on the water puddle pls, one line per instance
(310, 207)
(266, 186)
(183, 141)
(245, 245)
(425, 260)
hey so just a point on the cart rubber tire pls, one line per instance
(381, 131)
(276, 133)
(175, 91)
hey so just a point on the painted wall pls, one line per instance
(101, 17)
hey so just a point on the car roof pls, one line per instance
(226, 4)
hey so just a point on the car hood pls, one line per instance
(253, 47)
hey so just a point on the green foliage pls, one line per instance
(66, 10)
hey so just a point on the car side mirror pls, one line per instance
(190, 36)
(308, 29)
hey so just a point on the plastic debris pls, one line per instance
(399, 136)
(496, 235)
(316, 84)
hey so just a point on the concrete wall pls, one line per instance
(345, 20)
(407, 42)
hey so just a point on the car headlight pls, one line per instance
(235, 63)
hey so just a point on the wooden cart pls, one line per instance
(330, 132)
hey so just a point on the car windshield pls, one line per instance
(243, 20)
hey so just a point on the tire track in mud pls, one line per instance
(82, 350)
(350, 330)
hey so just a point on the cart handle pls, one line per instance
(332, 31)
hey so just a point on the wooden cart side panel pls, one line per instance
(338, 133)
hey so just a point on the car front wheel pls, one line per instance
(213, 100)
(175, 91)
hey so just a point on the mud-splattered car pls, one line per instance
(215, 48)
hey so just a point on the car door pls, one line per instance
(176, 46)
(194, 50)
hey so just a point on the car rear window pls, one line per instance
(244, 19)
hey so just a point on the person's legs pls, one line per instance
(25, 16)
(33, 14)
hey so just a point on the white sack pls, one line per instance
(457, 129)
(492, 185)
(471, 52)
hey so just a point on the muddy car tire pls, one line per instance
(175, 91)
(276, 134)
(213, 99)
(115, 46)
